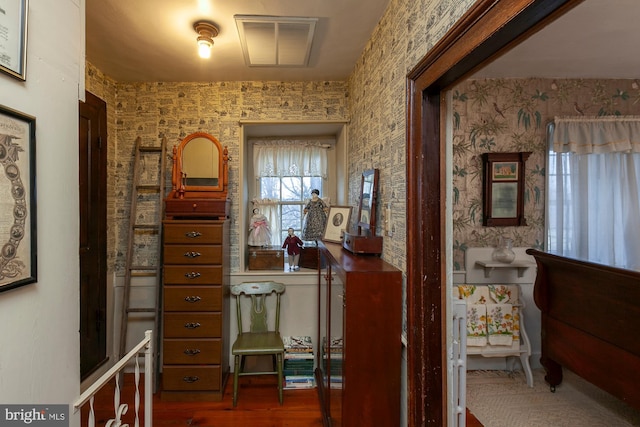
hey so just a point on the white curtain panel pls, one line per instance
(288, 158)
(593, 206)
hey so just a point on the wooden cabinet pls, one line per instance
(195, 361)
(359, 348)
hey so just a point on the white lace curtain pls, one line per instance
(593, 206)
(280, 158)
(289, 158)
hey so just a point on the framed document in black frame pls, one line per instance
(13, 33)
(17, 199)
(503, 189)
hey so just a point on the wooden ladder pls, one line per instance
(140, 227)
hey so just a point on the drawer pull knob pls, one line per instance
(253, 254)
(193, 298)
(278, 254)
(192, 325)
(192, 275)
(192, 254)
(192, 379)
(192, 351)
(193, 234)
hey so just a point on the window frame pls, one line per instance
(242, 182)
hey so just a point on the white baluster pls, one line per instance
(92, 413)
(137, 396)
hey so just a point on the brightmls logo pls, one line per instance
(36, 415)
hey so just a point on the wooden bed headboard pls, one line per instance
(590, 323)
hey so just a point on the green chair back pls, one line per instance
(258, 292)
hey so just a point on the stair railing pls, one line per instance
(121, 408)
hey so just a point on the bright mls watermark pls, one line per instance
(34, 415)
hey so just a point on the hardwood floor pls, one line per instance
(472, 421)
(257, 407)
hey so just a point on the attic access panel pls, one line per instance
(270, 41)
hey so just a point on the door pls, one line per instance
(93, 233)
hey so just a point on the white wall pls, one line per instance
(39, 340)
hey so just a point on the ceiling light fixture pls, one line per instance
(206, 32)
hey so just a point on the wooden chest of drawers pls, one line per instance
(195, 361)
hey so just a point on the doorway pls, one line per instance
(92, 181)
(487, 29)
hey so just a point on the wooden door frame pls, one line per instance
(97, 221)
(488, 29)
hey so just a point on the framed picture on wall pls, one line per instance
(337, 223)
(503, 189)
(13, 37)
(17, 199)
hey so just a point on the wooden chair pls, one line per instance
(259, 340)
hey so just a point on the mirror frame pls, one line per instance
(503, 189)
(369, 175)
(179, 186)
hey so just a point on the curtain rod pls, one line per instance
(292, 138)
(597, 119)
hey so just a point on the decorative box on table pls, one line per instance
(358, 244)
(309, 255)
(266, 258)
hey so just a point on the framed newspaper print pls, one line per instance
(17, 199)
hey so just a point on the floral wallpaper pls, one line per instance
(511, 115)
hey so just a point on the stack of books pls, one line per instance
(334, 348)
(298, 362)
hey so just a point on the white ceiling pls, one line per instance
(596, 39)
(154, 40)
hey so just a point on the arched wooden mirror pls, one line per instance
(199, 178)
(199, 164)
(368, 198)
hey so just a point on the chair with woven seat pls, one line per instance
(259, 340)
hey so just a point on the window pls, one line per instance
(285, 172)
(290, 195)
(593, 187)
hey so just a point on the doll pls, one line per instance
(315, 217)
(294, 247)
(259, 230)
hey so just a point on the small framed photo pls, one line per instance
(337, 223)
(17, 199)
(13, 37)
(503, 189)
